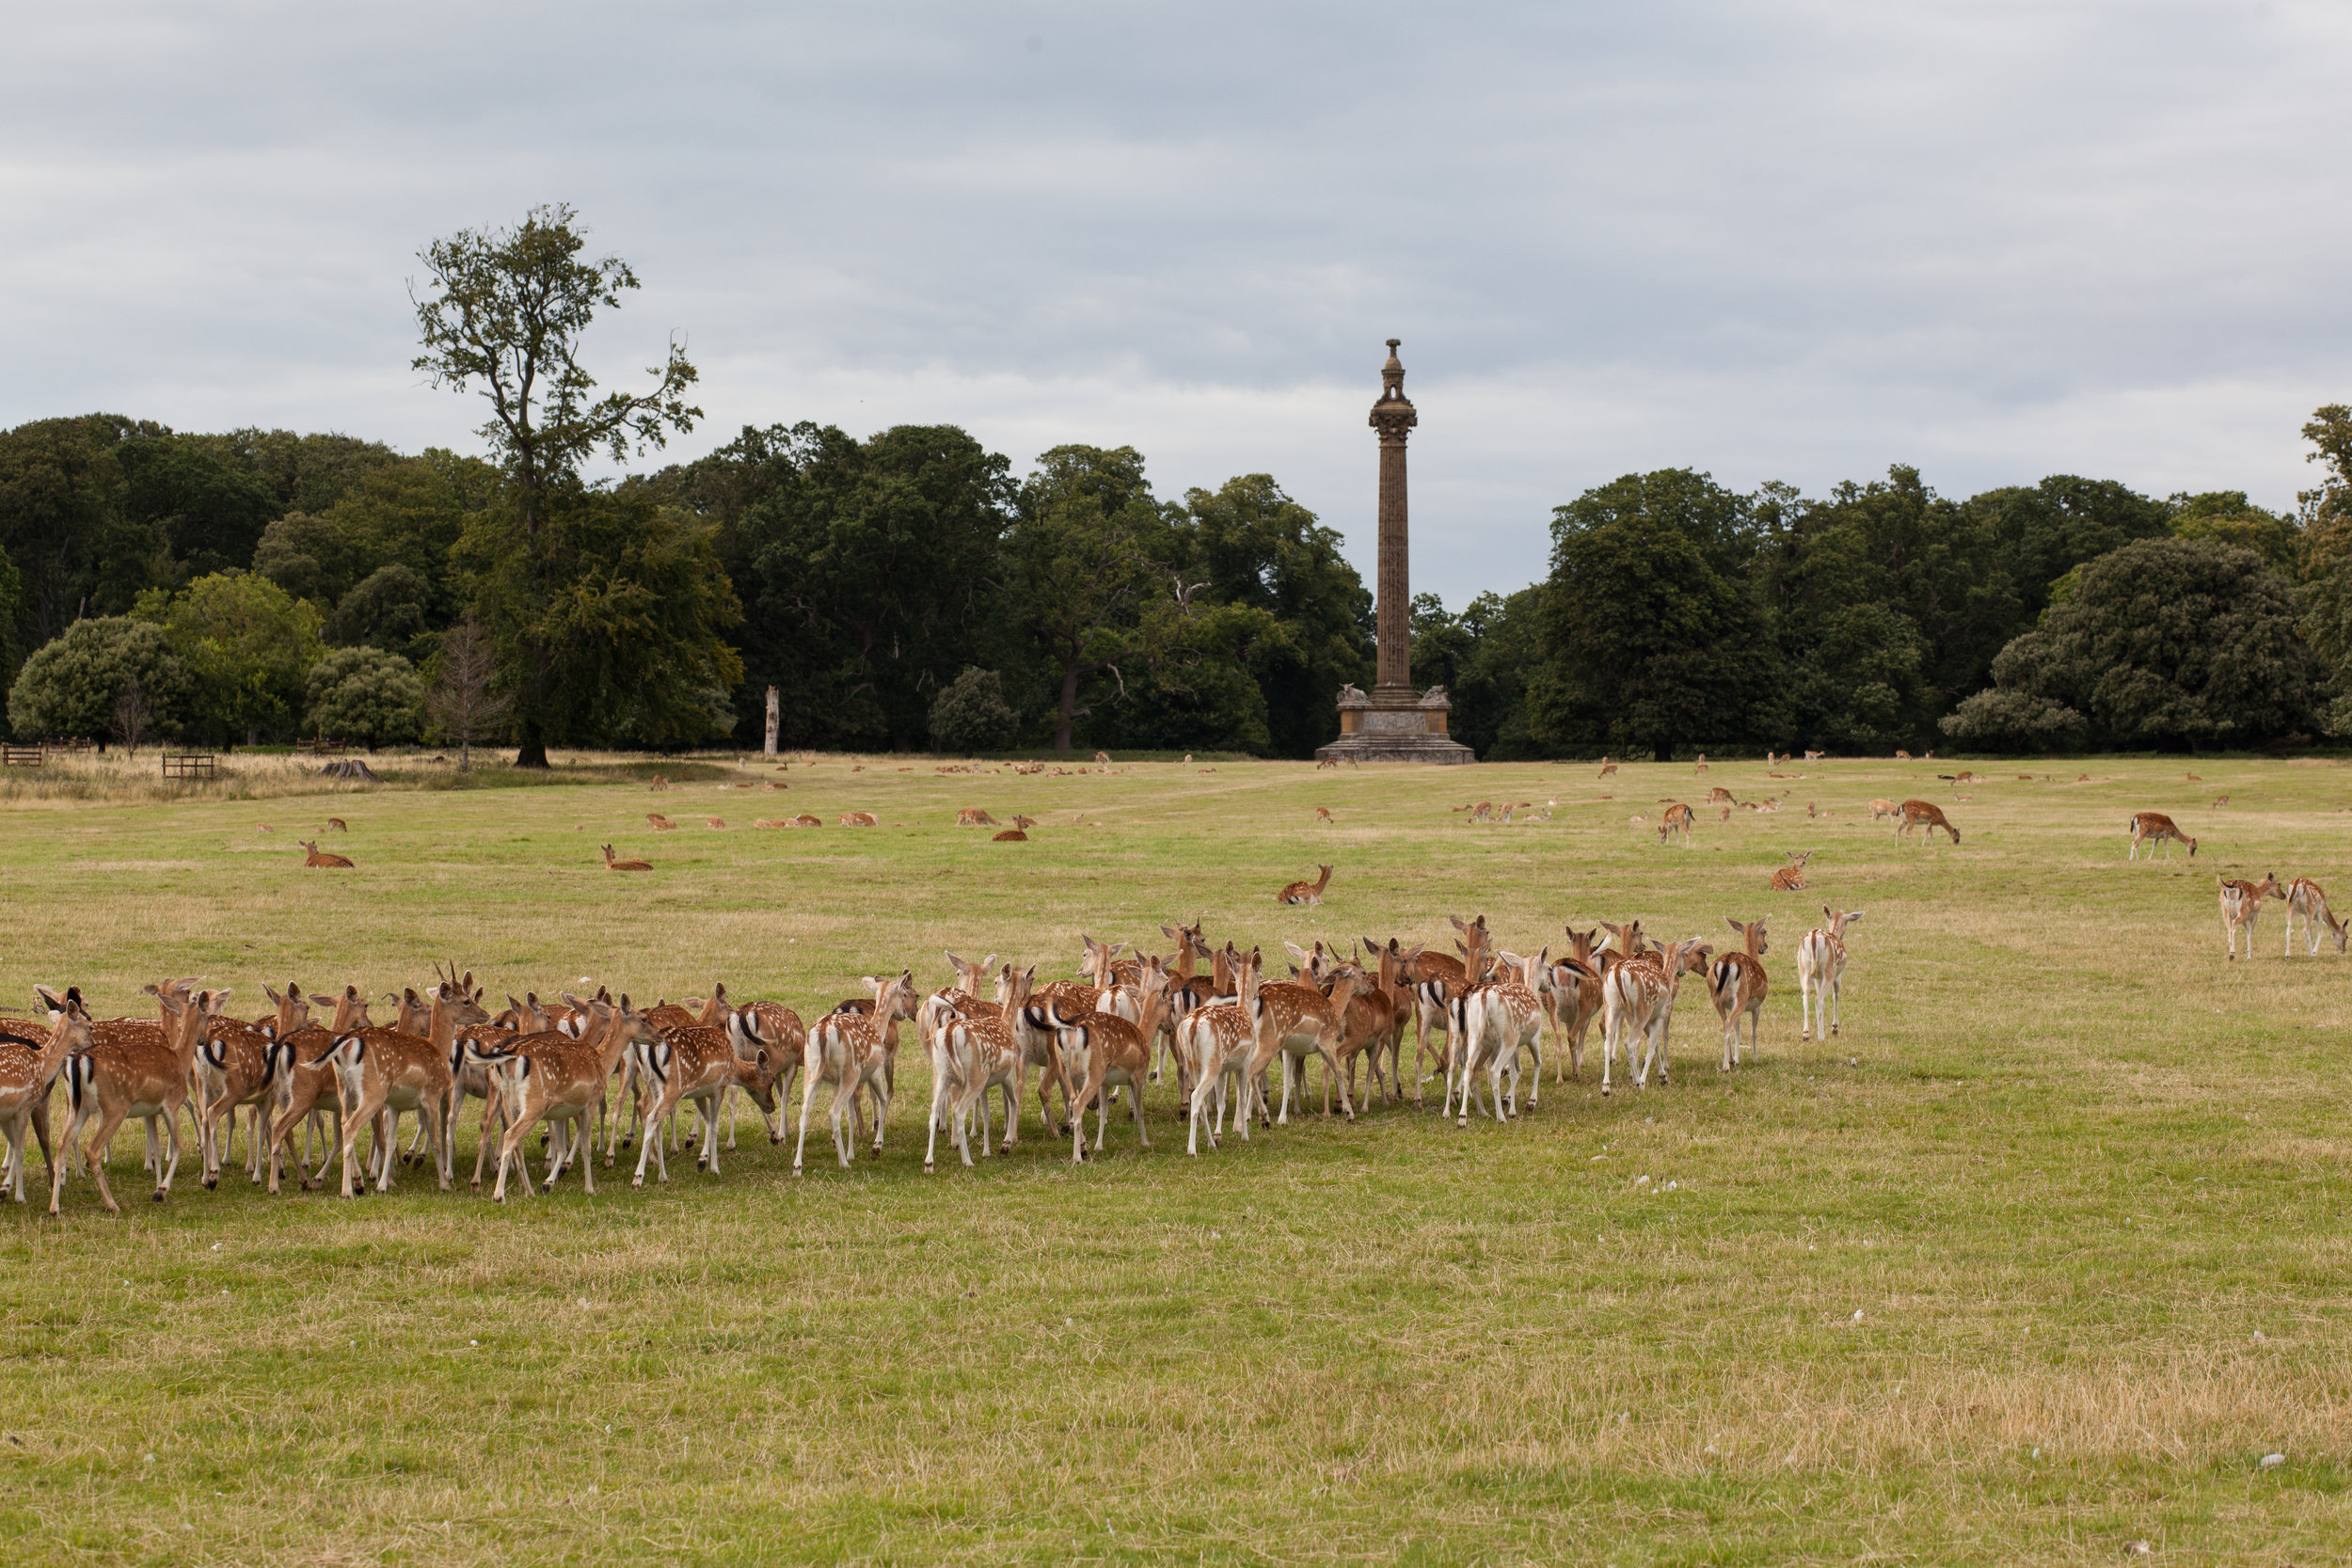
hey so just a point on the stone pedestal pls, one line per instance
(1406, 727)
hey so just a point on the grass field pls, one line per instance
(2037, 1262)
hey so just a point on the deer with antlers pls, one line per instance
(1736, 984)
(2241, 905)
(316, 858)
(2310, 901)
(1927, 815)
(2155, 829)
(1306, 892)
(1821, 973)
(1790, 877)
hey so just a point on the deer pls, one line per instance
(1306, 892)
(1009, 835)
(1101, 1049)
(973, 817)
(1736, 984)
(1375, 1018)
(1637, 998)
(560, 1079)
(1607, 766)
(2310, 901)
(975, 1049)
(382, 1072)
(134, 1075)
(1883, 810)
(233, 1072)
(717, 823)
(613, 864)
(1790, 877)
(1436, 977)
(2241, 904)
(1821, 973)
(1678, 819)
(319, 860)
(1298, 1021)
(691, 1061)
(659, 823)
(930, 1018)
(851, 1051)
(860, 819)
(1215, 1040)
(1323, 817)
(1492, 1023)
(1814, 756)
(1718, 795)
(1927, 813)
(303, 1081)
(1574, 1000)
(29, 1068)
(2157, 829)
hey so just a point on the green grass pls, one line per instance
(2065, 1161)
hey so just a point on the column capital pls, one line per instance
(1392, 416)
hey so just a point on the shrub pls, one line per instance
(972, 715)
(69, 687)
(364, 694)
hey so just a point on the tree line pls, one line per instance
(908, 591)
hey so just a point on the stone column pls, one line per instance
(1394, 418)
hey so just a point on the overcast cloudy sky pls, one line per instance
(1796, 240)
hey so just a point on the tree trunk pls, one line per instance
(1067, 713)
(534, 753)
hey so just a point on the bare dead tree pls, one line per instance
(463, 698)
(132, 716)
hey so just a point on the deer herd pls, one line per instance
(326, 1093)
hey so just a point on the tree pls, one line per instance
(1649, 635)
(364, 694)
(131, 715)
(2166, 642)
(972, 715)
(2227, 517)
(461, 700)
(69, 688)
(505, 311)
(1483, 657)
(249, 644)
(1089, 548)
(62, 523)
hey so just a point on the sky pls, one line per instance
(1797, 242)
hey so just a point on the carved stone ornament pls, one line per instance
(1351, 697)
(1435, 697)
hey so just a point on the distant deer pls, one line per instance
(804, 820)
(322, 860)
(973, 817)
(2157, 828)
(860, 819)
(1928, 814)
(657, 822)
(2220, 800)
(612, 864)
(1815, 756)
(1011, 836)
(2241, 905)
(1677, 819)
(1323, 816)
(1882, 809)
(1790, 877)
(338, 824)
(1901, 756)
(1023, 822)
(1719, 793)
(1607, 768)
(1306, 892)
(716, 821)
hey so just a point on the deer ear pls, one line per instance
(1733, 924)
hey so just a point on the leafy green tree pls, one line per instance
(302, 473)
(208, 513)
(249, 644)
(2166, 643)
(69, 688)
(1483, 657)
(504, 312)
(392, 609)
(1088, 553)
(2227, 517)
(1650, 637)
(364, 694)
(62, 523)
(971, 715)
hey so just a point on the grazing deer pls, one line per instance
(1678, 819)
(321, 860)
(1821, 973)
(1009, 835)
(1218, 1041)
(658, 823)
(1607, 766)
(1738, 984)
(2310, 901)
(1883, 810)
(145, 1074)
(1322, 814)
(612, 864)
(1901, 756)
(30, 1059)
(860, 819)
(1815, 756)
(2220, 800)
(1718, 795)
(973, 817)
(2157, 829)
(1306, 892)
(1790, 877)
(559, 1080)
(2241, 905)
(1927, 813)
(1637, 998)
(853, 1052)
(338, 824)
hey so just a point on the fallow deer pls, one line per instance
(1678, 819)
(804, 820)
(1322, 814)
(2310, 901)
(1575, 1001)
(1436, 978)
(1607, 768)
(338, 824)
(1821, 973)
(1215, 1040)
(1790, 877)
(560, 1079)
(1736, 984)
(691, 1062)
(977, 1051)
(853, 1052)
(1299, 1022)
(1023, 822)
(2158, 830)
(659, 823)
(1102, 1048)
(1492, 1023)
(232, 1069)
(1883, 810)
(28, 1068)
(860, 819)
(384, 1071)
(1009, 835)
(2241, 905)
(1637, 998)
(973, 817)
(1928, 814)
(716, 822)
(612, 864)
(320, 860)
(1306, 892)
(133, 1076)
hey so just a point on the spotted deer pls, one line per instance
(232, 1071)
(694, 1062)
(973, 817)
(134, 1075)
(1101, 1050)
(1637, 999)
(321, 859)
(1736, 984)
(1575, 1001)
(853, 1052)
(1436, 977)
(2155, 829)
(1492, 1023)
(1306, 892)
(31, 1057)
(302, 1079)
(1927, 815)
(1883, 810)
(561, 1081)
(1678, 819)
(659, 823)
(1216, 1041)
(1300, 1021)
(1821, 973)
(382, 1072)
(2241, 905)
(1790, 877)
(2310, 901)
(978, 1051)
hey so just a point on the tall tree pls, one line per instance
(504, 312)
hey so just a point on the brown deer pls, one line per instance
(2310, 901)
(612, 864)
(804, 820)
(1925, 813)
(973, 817)
(338, 824)
(853, 1052)
(1883, 810)
(1607, 766)
(1491, 1025)
(659, 823)
(30, 1059)
(1678, 819)
(316, 858)
(716, 822)
(1297, 1020)
(1023, 822)
(860, 819)
(1637, 998)
(1736, 984)
(1101, 1050)
(382, 1072)
(1009, 835)
(560, 1079)
(976, 1049)
(1790, 877)
(691, 1061)
(2158, 828)
(2241, 905)
(145, 1074)
(232, 1071)
(1306, 892)
(1575, 1000)
(1216, 1041)
(1821, 973)
(1436, 979)
(1322, 814)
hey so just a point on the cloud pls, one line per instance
(1796, 242)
